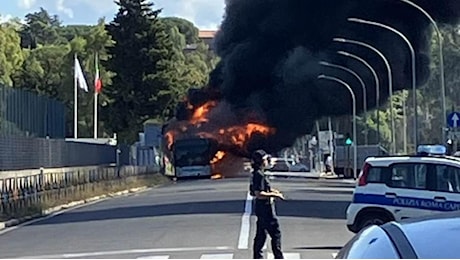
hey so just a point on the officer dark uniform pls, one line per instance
(265, 207)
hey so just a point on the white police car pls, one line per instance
(399, 187)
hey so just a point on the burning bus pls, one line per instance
(191, 157)
(202, 142)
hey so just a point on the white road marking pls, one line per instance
(132, 251)
(154, 257)
(243, 242)
(216, 256)
(286, 256)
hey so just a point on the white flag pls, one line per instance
(79, 75)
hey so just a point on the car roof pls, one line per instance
(431, 236)
(369, 243)
(434, 236)
(386, 160)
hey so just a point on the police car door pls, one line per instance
(445, 184)
(408, 189)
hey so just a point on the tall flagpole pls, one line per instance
(95, 115)
(96, 93)
(75, 114)
(95, 97)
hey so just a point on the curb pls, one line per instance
(46, 212)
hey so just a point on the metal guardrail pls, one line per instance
(26, 190)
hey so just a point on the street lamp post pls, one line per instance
(377, 86)
(414, 71)
(363, 85)
(355, 151)
(441, 60)
(390, 82)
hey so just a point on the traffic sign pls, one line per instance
(348, 141)
(453, 119)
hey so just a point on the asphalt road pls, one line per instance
(190, 219)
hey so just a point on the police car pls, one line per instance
(427, 237)
(392, 188)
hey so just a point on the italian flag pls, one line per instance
(97, 78)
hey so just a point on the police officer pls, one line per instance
(264, 206)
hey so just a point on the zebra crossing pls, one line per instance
(288, 255)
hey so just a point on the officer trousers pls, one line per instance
(267, 223)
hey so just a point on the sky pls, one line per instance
(205, 14)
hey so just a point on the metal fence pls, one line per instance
(23, 113)
(28, 191)
(32, 132)
(144, 156)
(17, 153)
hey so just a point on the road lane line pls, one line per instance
(216, 256)
(286, 256)
(243, 242)
(154, 257)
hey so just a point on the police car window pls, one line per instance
(447, 179)
(420, 176)
(375, 175)
(411, 176)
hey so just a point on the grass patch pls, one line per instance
(52, 198)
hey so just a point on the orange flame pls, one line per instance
(219, 155)
(169, 139)
(216, 176)
(201, 113)
(241, 134)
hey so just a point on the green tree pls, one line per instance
(49, 70)
(184, 27)
(71, 31)
(11, 55)
(143, 60)
(431, 119)
(194, 61)
(41, 28)
(97, 41)
(86, 43)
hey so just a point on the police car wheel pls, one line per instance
(372, 219)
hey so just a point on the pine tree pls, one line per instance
(142, 59)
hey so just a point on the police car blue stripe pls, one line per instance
(409, 202)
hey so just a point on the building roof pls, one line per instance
(207, 34)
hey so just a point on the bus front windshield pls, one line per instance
(192, 155)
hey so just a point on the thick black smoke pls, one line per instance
(270, 51)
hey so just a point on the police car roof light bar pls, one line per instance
(432, 149)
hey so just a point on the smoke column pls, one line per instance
(270, 51)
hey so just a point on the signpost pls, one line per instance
(453, 121)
